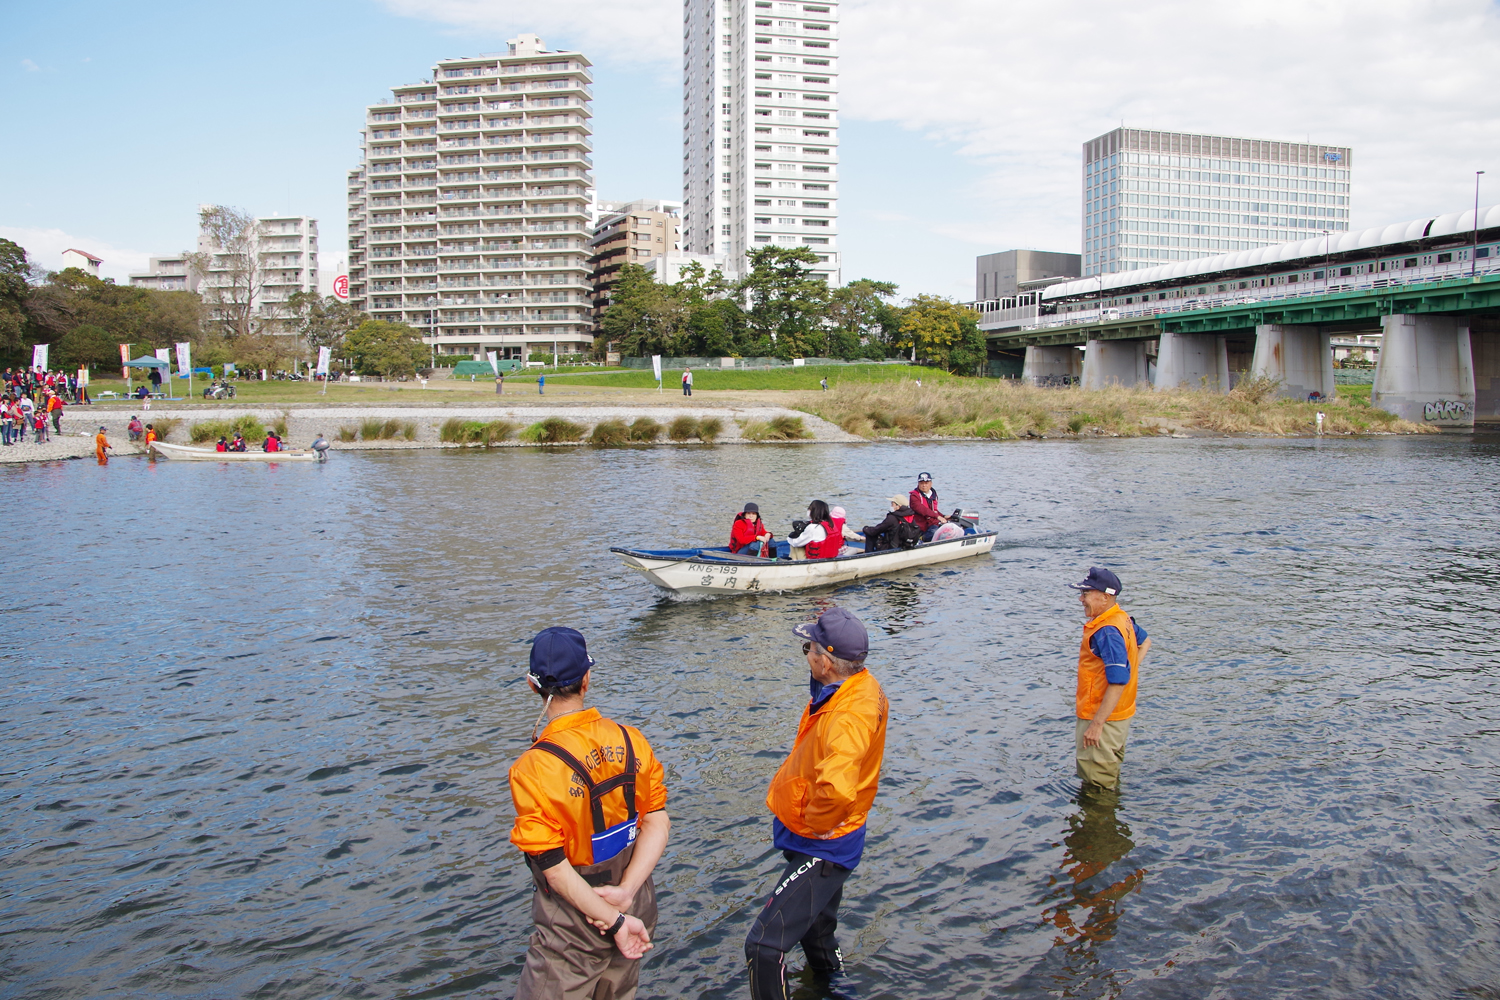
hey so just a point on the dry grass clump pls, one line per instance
(1001, 410)
(467, 432)
(644, 429)
(782, 428)
(683, 428)
(553, 430)
(609, 434)
(164, 426)
(709, 429)
(385, 430)
(347, 434)
(212, 430)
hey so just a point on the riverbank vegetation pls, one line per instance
(714, 379)
(1006, 410)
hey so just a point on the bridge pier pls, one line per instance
(1042, 362)
(1113, 362)
(1425, 373)
(1299, 356)
(1484, 349)
(1192, 359)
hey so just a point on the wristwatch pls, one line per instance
(615, 930)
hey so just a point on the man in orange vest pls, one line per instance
(1109, 662)
(592, 823)
(821, 798)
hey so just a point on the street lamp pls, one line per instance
(1474, 250)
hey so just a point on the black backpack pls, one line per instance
(908, 533)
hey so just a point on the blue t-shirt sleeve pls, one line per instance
(1109, 645)
(1140, 632)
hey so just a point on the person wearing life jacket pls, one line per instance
(150, 439)
(820, 801)
(591, 822)
(748, 532)
(1109, 661)
(101, 447)
(838, 517)
(238, 444)
(898, 531)
(924, 503)
(272, 442)
(819, 539)
(222, 445)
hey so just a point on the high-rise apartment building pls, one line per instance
(1154, 197)
(283, 261)
(167, 274)
(760, 128)
(630, 232)
(469, 219)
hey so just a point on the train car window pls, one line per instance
(1344, 272)
(1445, 258)
(1482, 252)
(1410, 262)
(1291, 279)
(1317, 275)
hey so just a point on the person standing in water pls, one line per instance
(1109, 662)
(101, 447)
(592, 823)
(820, 801)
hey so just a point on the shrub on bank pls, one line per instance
(347, 434)
(226, 427)
(782, 428)
(376, 429)
(609, 434)
(683, 428)
(709, 429)
(164, 426)
(553, 430)
(467, 432)
(644, 429)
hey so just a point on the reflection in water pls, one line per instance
(1088, 897)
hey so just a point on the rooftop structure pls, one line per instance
(83, 260)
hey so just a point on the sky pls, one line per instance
(961, 120)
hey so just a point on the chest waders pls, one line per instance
(568, 958)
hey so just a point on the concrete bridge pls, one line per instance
(1439, 360)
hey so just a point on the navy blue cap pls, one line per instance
(1099, 579)
(837, 632)
(559, 657)
(924, 477)
(751, 508)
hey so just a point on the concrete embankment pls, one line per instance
(739, 425)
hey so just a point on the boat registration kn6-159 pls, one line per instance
(719, 571)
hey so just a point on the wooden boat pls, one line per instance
(183, 453)
(718, 571)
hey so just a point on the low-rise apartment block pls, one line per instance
(167, 274)
(630, 232)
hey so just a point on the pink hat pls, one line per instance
(838, 512)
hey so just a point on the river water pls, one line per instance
(255, 721)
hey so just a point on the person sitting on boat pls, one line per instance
(272, 442)
(748, 532)
(223, 445)
(898, 531)
(838, 516)
(924, 504)
(818, 539)
(238, 444)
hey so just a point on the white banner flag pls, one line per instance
(39, 356)
(124, 357)
(83, 376)
(165, 354)
(184, 357)
(325, 355)
(656, 366)
(494, 358)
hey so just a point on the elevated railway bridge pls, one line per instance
(1428, 290)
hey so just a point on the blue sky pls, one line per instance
(962, 119)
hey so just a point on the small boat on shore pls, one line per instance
(184, 453)
(718, 571)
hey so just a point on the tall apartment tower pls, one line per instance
(1155, 197)
(760, 128)
(469, 218)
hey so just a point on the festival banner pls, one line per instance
(184, 357)
(124, 358)
(39, 357)
(325, 357)
(494, 359)
(656, 366)
(83, 376)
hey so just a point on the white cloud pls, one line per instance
(1017, 88)
(46, 246)
(30, 66)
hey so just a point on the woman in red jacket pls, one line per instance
(749, 530)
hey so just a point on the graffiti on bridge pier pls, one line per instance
(1447, 409)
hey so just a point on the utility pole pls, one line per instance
(1474, 250)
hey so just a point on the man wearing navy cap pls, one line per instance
(821, 798)
(591, 821)
(1109, 661)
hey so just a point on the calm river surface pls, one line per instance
(255, 722)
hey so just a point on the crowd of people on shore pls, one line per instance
(31, 400)
(912, 520)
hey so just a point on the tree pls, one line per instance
(86, 346)
(14, 270)
(323, 322)
(788, 301)
(644, 317)
(388, 349)
(232, 278)
(859, 313)
(943, 332)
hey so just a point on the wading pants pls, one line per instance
(803, 909)
(568, 958)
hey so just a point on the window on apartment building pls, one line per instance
(815, 62)
(763, 76)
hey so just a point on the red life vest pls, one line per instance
(272, 444)
(833, 540)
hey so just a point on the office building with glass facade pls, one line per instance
(1154, 197)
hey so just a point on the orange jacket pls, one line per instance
(1091, 680)
(552, 805)
(826, 785)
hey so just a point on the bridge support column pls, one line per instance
(1194, 360)
(1426, 370)
(1484, 349)
(1113, 362)
(1041, 362)
(1299, 356)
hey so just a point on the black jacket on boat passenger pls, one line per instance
(898, 531)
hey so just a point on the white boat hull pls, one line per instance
(710, 572)
(183, 453)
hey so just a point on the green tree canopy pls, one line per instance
(943, 332)
(376, 347)
(323, 322)
(14, 289)
(86, 346)
(788, 301)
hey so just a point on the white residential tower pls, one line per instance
(760, 128)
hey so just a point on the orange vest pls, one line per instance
(826, 785)
(1091, 680)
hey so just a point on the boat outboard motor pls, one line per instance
(966, 519)
(320, 445)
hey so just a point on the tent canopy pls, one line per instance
(145, 361)
(480, 367)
